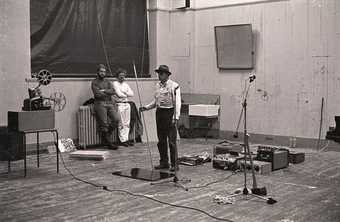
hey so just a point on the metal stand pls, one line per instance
(175, 179)
(255, 191)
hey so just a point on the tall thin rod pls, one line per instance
(102, 39)
(143, 118)
(320, 129)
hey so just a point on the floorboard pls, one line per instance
(309, 191)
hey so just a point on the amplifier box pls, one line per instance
(11, 145)
(259, 167)
(227, 147)
(296, 157)
(277, 156)
(226, 162)
(31, 120)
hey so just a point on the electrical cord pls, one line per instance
(324, 147)
(216, 181)
(166, 203)
(104, 187)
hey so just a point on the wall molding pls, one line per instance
(90, 79)
(231, 4)
(276, 140)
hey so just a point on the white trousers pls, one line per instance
(124, 111)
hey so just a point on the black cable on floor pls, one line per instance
(139, 195)
(166, 203)
(216, 181)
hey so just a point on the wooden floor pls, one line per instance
(309, 191)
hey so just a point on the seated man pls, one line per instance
(104, 107)
(123, 92)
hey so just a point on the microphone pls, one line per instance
(252, 77)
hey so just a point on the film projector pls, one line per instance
(36, 101)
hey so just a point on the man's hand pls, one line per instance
(175, 122)
(142, 109)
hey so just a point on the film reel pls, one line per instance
(44, 77)
(57, 101)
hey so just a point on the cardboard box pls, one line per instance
(204, 110)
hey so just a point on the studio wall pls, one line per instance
(15, 76)
(297, 61)
(14, 55)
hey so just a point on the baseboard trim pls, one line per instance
(301, 142)
(275, 140)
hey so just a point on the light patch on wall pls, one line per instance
(215, 3)
(263, 94)
(180, 4)
(181, 39)
(337, 17)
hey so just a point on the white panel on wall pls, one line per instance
(337, 16)
(215, 3)
(180, 35)
(178, 4)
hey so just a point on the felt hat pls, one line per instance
(163, 69)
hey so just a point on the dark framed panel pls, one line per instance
(234, 46)
(70, 38)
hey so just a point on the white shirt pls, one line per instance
(167, 95)
(123, 91)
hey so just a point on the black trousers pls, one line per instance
(167, 135)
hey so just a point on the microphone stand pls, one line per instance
(255, 191)
(175, 179)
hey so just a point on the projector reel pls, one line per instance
(57, 101)
(44, 77)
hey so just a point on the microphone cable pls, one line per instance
(105, 188)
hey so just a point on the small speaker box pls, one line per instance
(296, 157)
(259, 167)
(277, 156)
(31, 120)
(11, 145)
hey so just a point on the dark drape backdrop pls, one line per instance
(70, 37)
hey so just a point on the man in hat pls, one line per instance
(167, 101)
(104, 107)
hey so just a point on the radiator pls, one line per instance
(88, 134)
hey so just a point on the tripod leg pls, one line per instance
(268, 199)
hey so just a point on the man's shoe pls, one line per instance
(161, 166)
(130, 143)
(112, 146)
(123, 144)
(172, 168)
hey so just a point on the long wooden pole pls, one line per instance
(140, 105)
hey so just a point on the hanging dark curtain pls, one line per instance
(70, 37)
